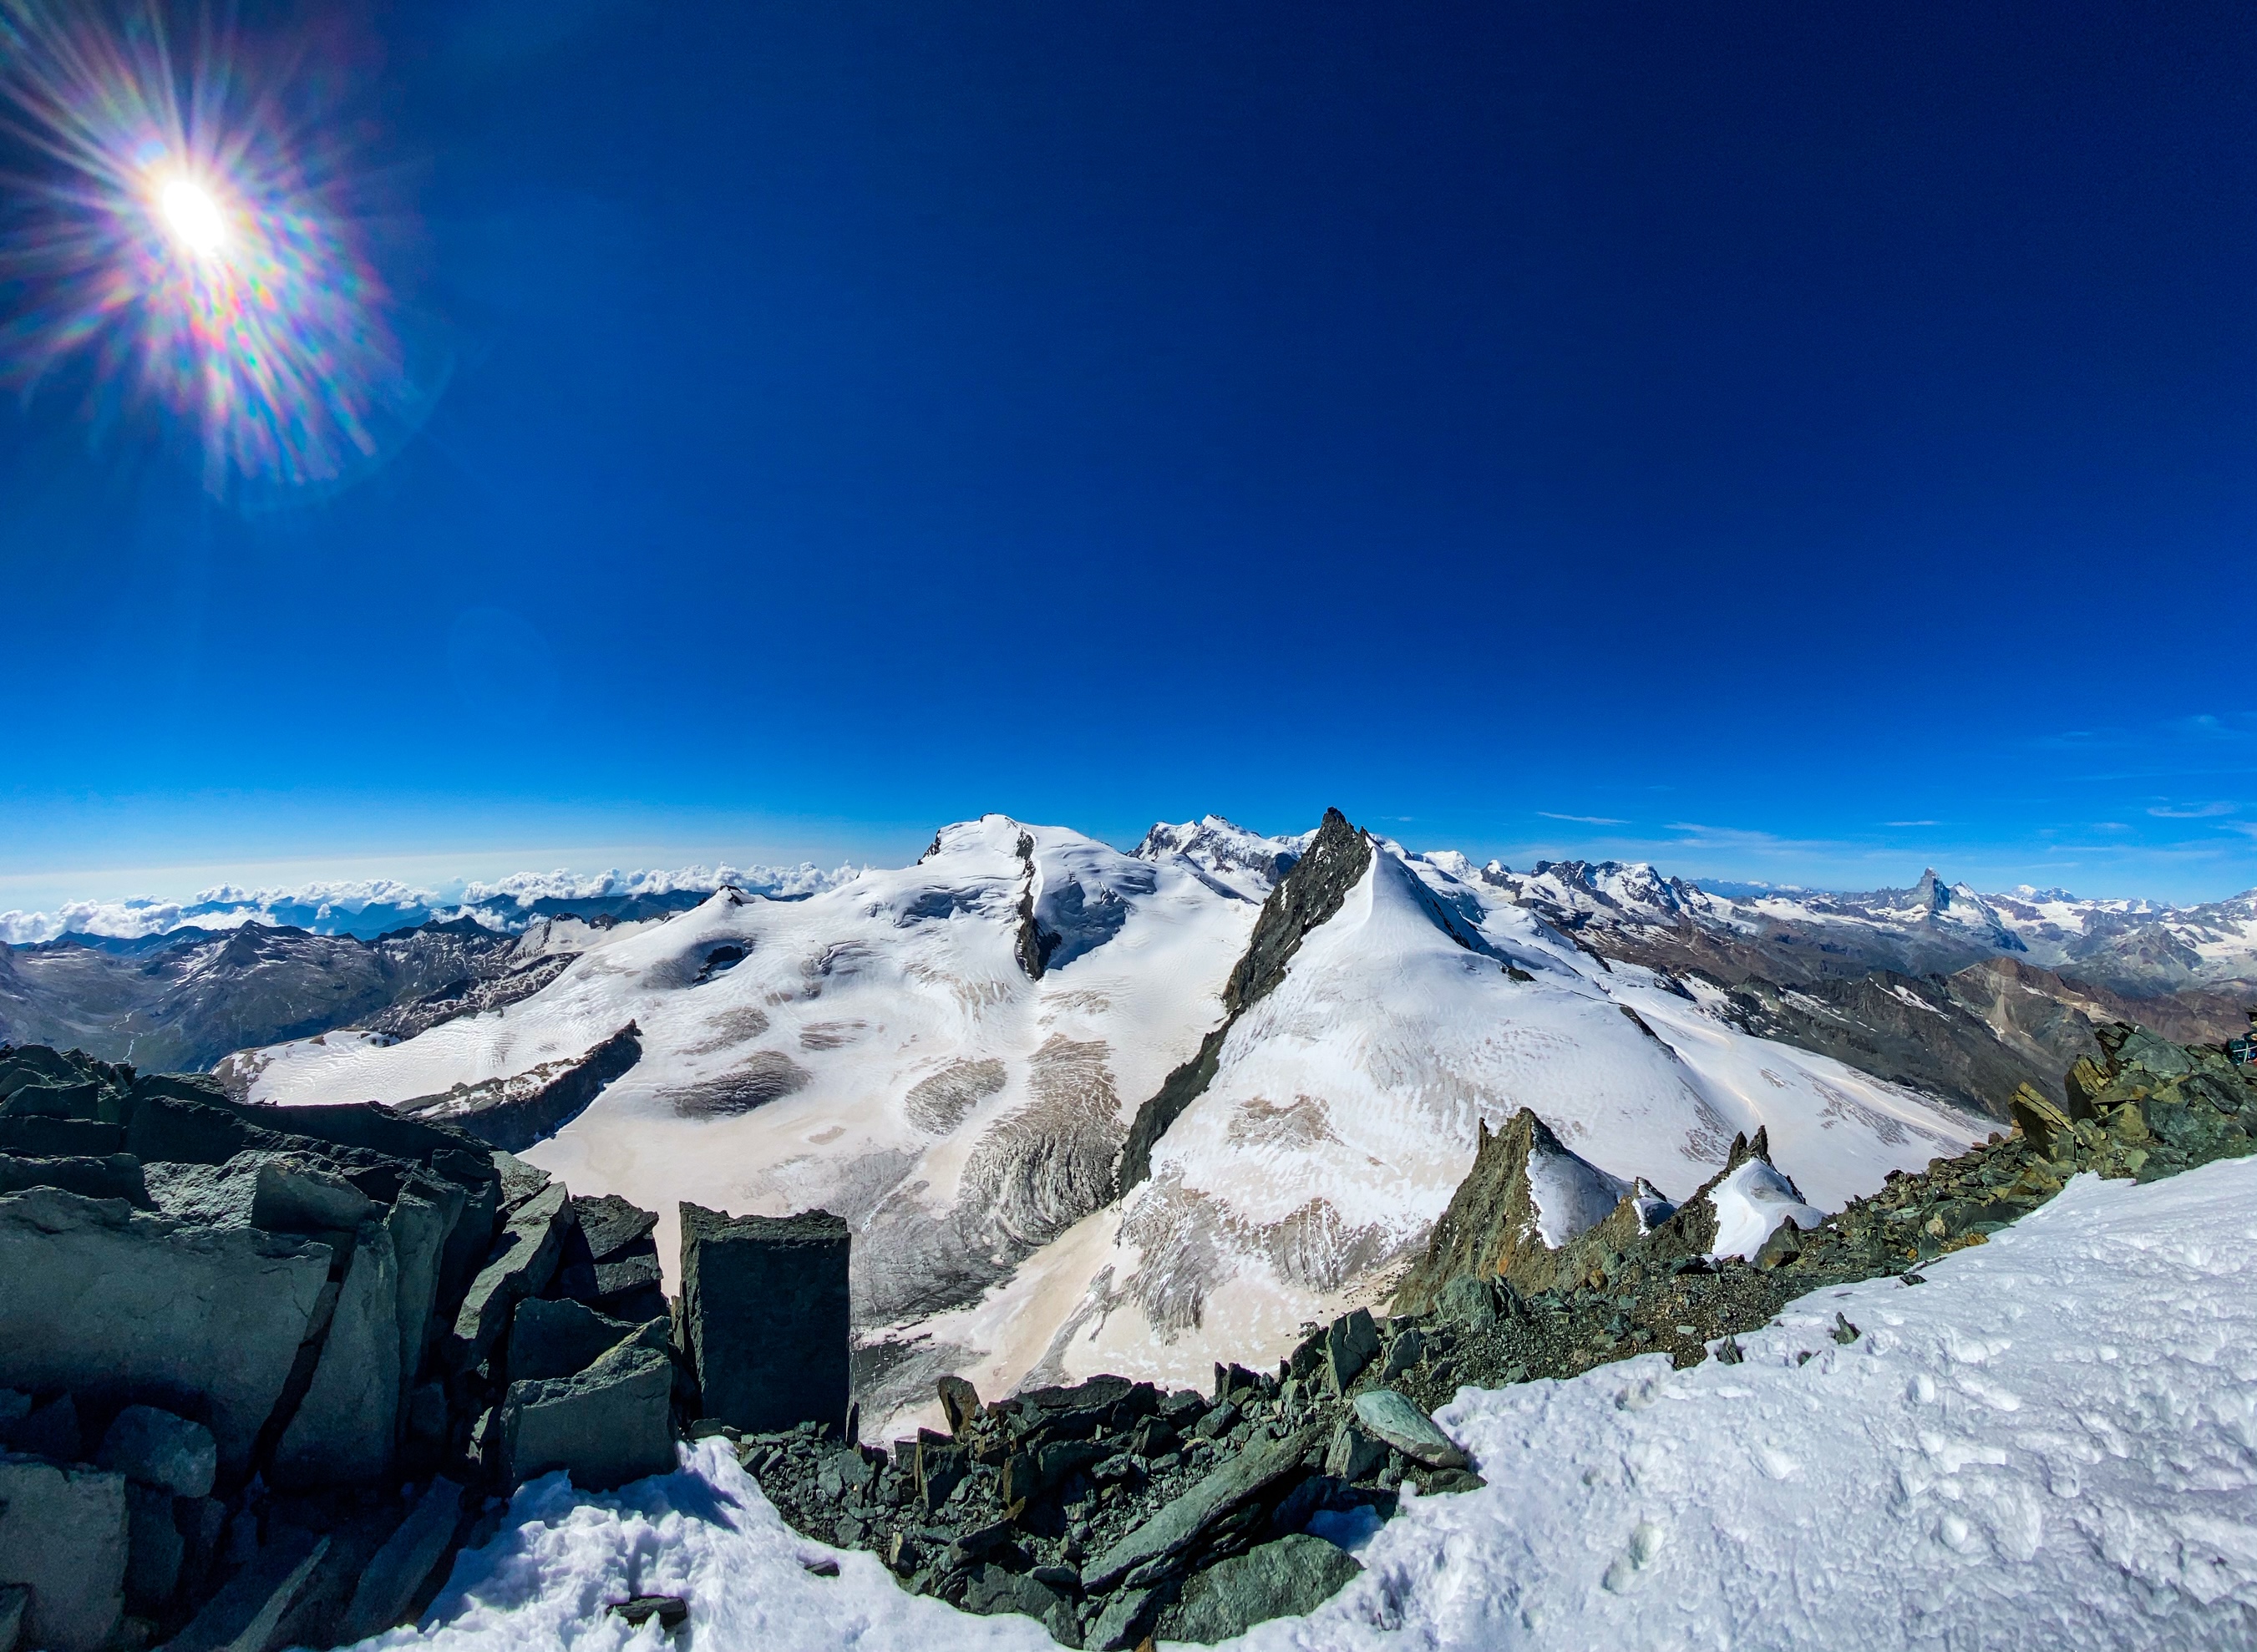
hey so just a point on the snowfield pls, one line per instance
(2050, 1444)
(881, 1051)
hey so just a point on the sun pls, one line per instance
(193, 214)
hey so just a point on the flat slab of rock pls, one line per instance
(521, 1265)
(292, 1197)
(341, 1433)
(609, 1425)
(116, 1176)
(552, 1339)
(102, 1300)
(1282, 1580)
(1403, 1425)
(1182, 1522)
(612, 1224)
(63, 1535)
(388, 1585)
(764, 1313)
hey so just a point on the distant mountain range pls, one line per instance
(370, 907)
(182, 984)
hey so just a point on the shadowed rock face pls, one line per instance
(1305, 897)
(764, 1317)
(514, 1112)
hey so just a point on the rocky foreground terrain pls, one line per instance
(265, 1370)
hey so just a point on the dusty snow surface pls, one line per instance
(2050, 1444)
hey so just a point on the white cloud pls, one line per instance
(2199, 811)
(384, 902)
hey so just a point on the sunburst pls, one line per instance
(191, 242)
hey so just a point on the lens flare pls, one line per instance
(185, 237)
(194, 216)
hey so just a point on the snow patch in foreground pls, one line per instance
(2052, 1443)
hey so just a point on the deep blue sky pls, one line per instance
(1717, 434)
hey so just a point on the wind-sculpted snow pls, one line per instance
(2045, 1445)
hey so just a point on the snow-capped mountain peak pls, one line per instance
(1243, 861)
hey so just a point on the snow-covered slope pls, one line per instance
(949, 1056)
(1345, 1108)
(2046, 1445)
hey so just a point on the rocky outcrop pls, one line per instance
(1110, 1510)
(764, 1317)
(1494, 1226)
(1292, 1574)
(63, 1541)
(243, 1408)
(2142, 1107)
(111, 1305)
(608, 1423)
(514, 1112)
(1309, 894)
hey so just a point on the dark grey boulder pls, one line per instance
(551, 1339)
(605, 1426)
(1141, 1554)
(105, 1300)
(764, 1317)
(1351, 1343)
(616, 1275)
(344, 1430)
(1354, 1453)
(153, 1549)
(63, 1535)
(992, 1589)
(1281, 1579)
(388, 1587)
(1404, 1353)
(959, 1402)
(1469, 1300)
(40, 1136)
(423, 1218)
(116, 1176)
(612, 1224)
(15, 1604)
(51, 1101)
(293, 1196)
(519, 1181)
(522, 1261)
(154, 1448)
(1391, 1417)
(1124, 1620)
